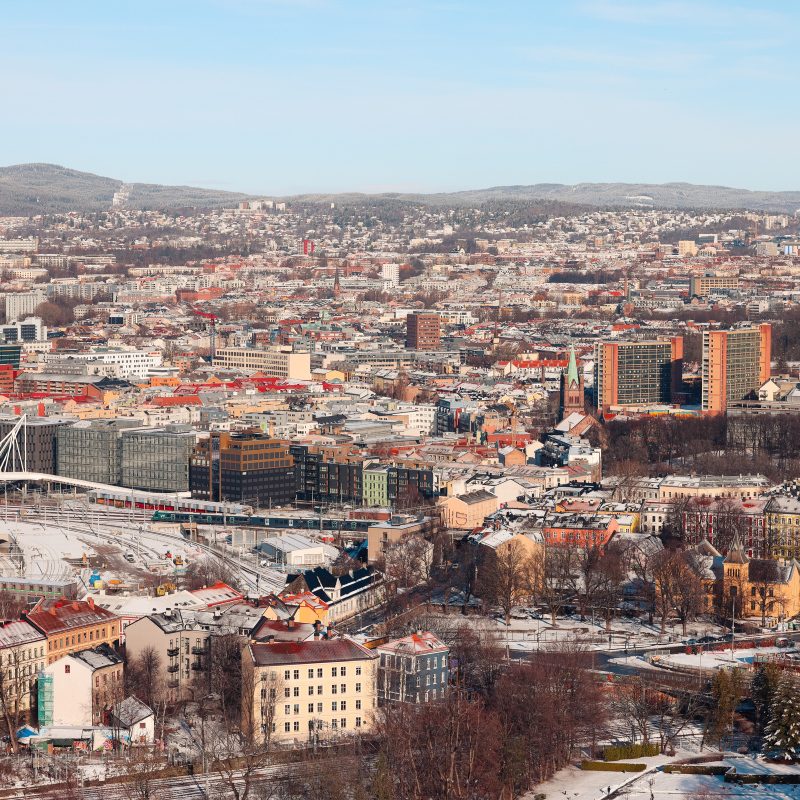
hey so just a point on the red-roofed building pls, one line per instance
(414, 669)
(73, 625)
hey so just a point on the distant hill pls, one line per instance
(42, 188)
(605, 195)
(46, 188)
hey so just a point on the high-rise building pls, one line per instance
(247, 467)
(572, 387)
(423, 331)
(736, 362)
(632, 373)
(279, 361)
(390, 273)
(91, 450)
(23, 304)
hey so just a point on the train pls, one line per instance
(152, 501)
(276, 521)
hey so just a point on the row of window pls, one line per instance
(336, 705)
(336, 724)
(336, 672)
(86, 637)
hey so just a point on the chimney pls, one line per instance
(290, 624)
(317, 629)
(76, 606)
(90, 601)
(53, 611)
(168, 613)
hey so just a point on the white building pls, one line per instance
(23, 304)
(390, 273)
(130, 363)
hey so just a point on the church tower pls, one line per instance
(572, 387)
(337, 287)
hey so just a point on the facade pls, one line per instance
(414, 669)
(783, 526)
(704, 285)
(91, 450)
(638, 372)
(73, 625)
(134, 720)
(128, 363)
(308, 691)
(79, 690)
(183, 648)
(720, 522)
(29, 329)
(322, 476)
(468, 511)
(279, 361)
(423, 331)
(30, 588)
(391, 531)
(22, 657)
(247, 467)
(343, 595)
(22, 304)
(39, 438)
(736, 363)
(375, 485)
(582, 531)
(157, 459)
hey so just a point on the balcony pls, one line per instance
(173, 684)
(173, 668)
(173, 651)
(197, 666)
(199, 650)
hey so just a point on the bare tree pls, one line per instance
(510, 577)
(557, 582)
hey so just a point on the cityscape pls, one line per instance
(329, 475)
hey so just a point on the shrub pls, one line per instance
(696, 769)
(621, 752)
(604, 766)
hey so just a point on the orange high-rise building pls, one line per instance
(638, 372)
(736, 362)
(423, 331)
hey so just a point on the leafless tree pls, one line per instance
(557, 582)
(510, 576)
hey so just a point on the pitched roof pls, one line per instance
(130, 711)
(310, 652)
(53, 616)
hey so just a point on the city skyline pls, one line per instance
(324, 96)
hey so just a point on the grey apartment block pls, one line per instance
(157, 459)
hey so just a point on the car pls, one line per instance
(129, 557)
(782, 641)
(707, 640)
(691, 642)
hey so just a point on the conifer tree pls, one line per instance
(783, 729)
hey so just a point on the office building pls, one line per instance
(28, 330)
(91, 450)
(390, 273)
(37, 441)
(736, 363)
(638, 373)
(10, 356)
(423, 331)
(280, 361)
(157, 459)
(247, 467)
(704, 285)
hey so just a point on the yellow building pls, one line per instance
(22, 657)
(308, 691)
(783, 526)
(468, 511)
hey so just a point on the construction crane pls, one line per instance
(212, 327)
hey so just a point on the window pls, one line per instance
(296, 674)
(343, 705)
(286, 674)
(66, 669)
(319, 672)
(296, 691)
(343, 722)
(333, 672)
(319, 690)
(296, 708)
(358, 687)
(358, 722)
(287, 709)
(319, 708)
(334, 706)
(296, 726)
(358, 705)
(311, 673)
(333, 689)
(334, 724)
(343, 671)
(287, 692)
(310, 690)
(287, 726)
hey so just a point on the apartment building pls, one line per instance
(29, 329)
(414, 669)
(80, 689)
(423, 331)
(183, 647)
(736, 363)
(323, 688)
(157, 459)
(279, 361)
(633, 373)
(129, 363)
(73, 625)
(22, 304)
(22, 657)
(704, 285)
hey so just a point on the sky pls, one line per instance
(281, 97)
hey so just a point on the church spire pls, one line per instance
(572, 368)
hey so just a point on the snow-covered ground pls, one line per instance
(712, 659)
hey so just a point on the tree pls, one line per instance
(557, 580)
(782, 734)
(510, 576)
(407, 562)
(208, 571)
(144, 677)
(764, 575)
(15, 688)
(727, 691)
(762, 691)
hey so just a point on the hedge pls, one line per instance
(618, 766)
(696, 769)
(623, 751)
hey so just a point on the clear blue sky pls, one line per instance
(286, 96)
